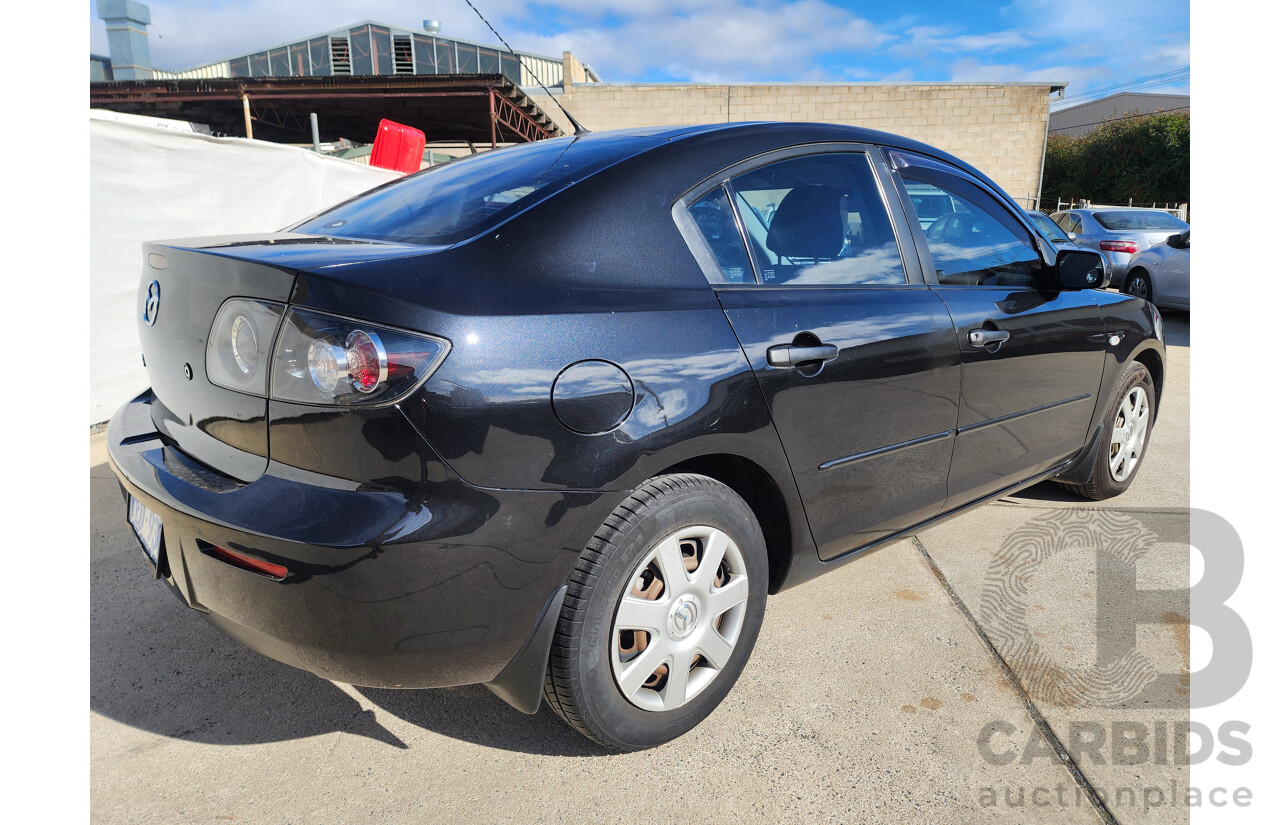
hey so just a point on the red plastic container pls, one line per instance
(398, 147)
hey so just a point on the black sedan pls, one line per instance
(558, 418)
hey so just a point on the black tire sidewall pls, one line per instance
(607, 710)
(1136, 375)
(1140, 275)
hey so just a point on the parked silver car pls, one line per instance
(1162, 274)
(1054, 235)
(1118, 232)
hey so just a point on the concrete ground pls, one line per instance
(892, 690)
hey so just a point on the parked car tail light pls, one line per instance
(1119, 246)
(317, 358)
(324, 359)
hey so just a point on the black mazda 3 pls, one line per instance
(558, 418)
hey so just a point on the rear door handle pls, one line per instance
(982, 337)
(786, 355)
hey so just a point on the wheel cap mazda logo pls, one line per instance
(153, 304)
(683, 619)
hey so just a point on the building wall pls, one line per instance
(1086, 117)
(999, 128)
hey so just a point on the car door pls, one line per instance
(1176, 271)
(855, 355)
(1032, 356)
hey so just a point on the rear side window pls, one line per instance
(818, 219)
(1139, 220)
(1068, 222)
(463, 198)
(714, 218)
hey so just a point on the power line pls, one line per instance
(1163, 77)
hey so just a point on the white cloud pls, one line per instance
(925, 40)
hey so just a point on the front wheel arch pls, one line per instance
(1134, 273)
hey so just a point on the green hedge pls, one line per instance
(1146, 158)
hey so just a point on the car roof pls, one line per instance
(794, 133)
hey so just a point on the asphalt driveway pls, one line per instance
(933, 680)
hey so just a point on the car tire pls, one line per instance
(641, 555)
(1139, 285)
(1126, 431)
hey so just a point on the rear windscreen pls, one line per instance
(463, 198)
(1139, 220)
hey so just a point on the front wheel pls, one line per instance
(1125, 433)
(662, 613)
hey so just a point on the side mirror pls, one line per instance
(1175, 240)
(1079, 269)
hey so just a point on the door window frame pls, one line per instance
(881, 173)
(903, 159)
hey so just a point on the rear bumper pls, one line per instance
(1118, 264)
(441, 586)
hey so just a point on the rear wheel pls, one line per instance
(662, 613)
(1139, 285)
(1126, 431)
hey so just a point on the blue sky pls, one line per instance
(1100, 44)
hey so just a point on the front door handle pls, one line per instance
(983, 337)
(788, 355)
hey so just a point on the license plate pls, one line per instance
(148, 528)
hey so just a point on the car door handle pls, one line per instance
(786, 355)
(982, 337)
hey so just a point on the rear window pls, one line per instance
(463, 198)
(1139, 219)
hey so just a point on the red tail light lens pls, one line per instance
(1119, 246)
(366, 361)
(324, 359)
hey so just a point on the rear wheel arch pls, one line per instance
(762, 494)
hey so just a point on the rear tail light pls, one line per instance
(238, 355)
(1118, 246)
(316, 358)
(324, 359)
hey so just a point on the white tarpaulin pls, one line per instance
(148, 183)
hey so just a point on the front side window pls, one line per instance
(1050, 229)
(818, 219)
(977, 243)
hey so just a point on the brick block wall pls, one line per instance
(1000, 129)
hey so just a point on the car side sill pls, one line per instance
(941, 517)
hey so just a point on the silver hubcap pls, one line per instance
(1129, 435)
(676, 625)
(1138, 287)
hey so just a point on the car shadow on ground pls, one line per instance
(156, 665)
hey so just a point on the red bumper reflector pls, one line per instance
(244, 562)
